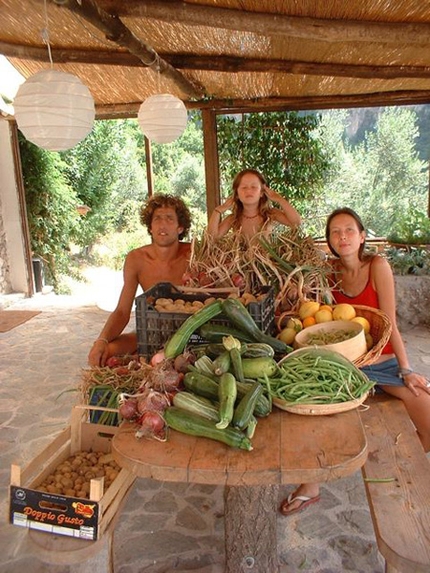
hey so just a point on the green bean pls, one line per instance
(317, 379)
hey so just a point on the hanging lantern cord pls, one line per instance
(45, 32)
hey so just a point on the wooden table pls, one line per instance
(288, 449)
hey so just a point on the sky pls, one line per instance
(10, 80)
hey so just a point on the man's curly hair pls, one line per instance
(159, 200)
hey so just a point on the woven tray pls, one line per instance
(380, 330)
(319, 409)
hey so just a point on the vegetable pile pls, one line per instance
(288, 260)
(72, 477)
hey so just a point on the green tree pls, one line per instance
(107, 175)
(285, 146)
(381, 176)
(51, 208)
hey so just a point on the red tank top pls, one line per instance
(367, 297)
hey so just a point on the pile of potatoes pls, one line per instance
(190, 307)
(72, 477)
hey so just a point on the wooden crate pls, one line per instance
(60, 514)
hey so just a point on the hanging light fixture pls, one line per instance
(54, 110)
(162, 118)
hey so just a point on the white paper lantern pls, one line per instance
(162, 118)
(54, 110)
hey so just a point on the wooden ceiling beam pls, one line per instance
(378, 99)
(115, 31)
(324, 30)
(229, 64)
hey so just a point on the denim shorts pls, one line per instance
(384, 373)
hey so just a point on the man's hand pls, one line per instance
(98, 353)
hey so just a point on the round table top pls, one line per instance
(287, 449)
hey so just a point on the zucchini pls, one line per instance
(241, 319)
(227, 394)
(257, 349)
(221, 364)
(259, 367)
(201, 385)
(214, 349)
(189, 423)
(176, 343)
(263, 407)
(232, 344)
(245, 409)
(197, 404)
(216, 332)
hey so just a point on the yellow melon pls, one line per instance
(287, 335)
(344, 311)
(308, 308)
(323, 316)
(295, 323)
(364, 323)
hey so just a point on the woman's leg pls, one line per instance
(124, 344)
(418, 408)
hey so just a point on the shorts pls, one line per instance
(384, 373)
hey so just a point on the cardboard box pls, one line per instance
(60, 514)
(155, 328)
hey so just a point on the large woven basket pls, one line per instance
(380, 330)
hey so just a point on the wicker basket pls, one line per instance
(319, 409)
(380, 330)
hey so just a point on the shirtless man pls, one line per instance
(165, 260)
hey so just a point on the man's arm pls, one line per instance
(120, 317)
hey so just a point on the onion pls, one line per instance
(165, 378)
(157, 358)
(151, 425)
(128, 409)
(152, 400)
(182, 361)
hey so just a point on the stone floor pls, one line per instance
(164, 527)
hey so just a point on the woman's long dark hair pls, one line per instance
(357, 219)
(263, 206)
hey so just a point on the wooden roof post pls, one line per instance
(148, 163)
(210, 145)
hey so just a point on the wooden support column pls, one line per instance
(148, 163)
(210, 146)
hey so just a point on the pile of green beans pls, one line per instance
(310, 379)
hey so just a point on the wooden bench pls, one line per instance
(397, 481)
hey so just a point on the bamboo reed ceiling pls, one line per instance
(228, 54)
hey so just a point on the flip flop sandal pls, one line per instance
(304, 499)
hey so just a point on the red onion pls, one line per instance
(151, 425)
(128, 409)
(153, 401)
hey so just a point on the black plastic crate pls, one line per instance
(154, 328)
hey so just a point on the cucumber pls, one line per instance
(222, 363)
(189, 423)
(241, 319)
(244, 411)
(263, 406)
(216, 332)
(258, 367)
(196, 404)
(201, 385)
(227, 394)
(176, 343)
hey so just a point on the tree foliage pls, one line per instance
(284, 146)
(51, 208)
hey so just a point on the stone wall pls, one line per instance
(413, 300)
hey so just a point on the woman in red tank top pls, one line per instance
(360, 278)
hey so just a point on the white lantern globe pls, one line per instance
(162, 118)
(54, 110)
